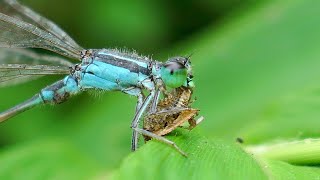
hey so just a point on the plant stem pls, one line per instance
(303, 152)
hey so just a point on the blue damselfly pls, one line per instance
(103, 69)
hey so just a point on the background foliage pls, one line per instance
(256, 67)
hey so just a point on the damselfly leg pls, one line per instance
(160, 138)
(136, 120)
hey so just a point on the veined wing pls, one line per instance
(18, 73)
(15, 9)
(19, 34)
(11, 70)
(26, 56)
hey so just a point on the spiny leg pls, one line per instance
(159, 88)
(161, 139)
(192, 122)
(155, 101)
(135, 92)
(171, 111)
(136, 119)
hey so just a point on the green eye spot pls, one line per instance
(173, 76)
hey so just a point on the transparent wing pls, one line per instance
(15, 9)
(18, 66)
(20, 27)
(11, 81)
(26, 56)
(18, 73)
(19, 34)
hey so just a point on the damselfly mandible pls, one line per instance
(103, 69)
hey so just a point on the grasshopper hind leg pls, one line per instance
(161, 139)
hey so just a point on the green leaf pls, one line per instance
(299, 152)
(206, 160)
(283, 170)
(45, 159)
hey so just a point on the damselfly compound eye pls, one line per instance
(174, 74)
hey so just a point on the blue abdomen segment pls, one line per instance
(60, 91)
(53, 94)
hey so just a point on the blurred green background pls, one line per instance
(256, 67)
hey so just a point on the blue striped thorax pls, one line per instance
(114, 70)
(110, 69)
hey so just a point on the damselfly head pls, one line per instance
(177, 72)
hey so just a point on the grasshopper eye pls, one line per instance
(174, 74)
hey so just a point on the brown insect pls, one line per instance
(172, 112)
